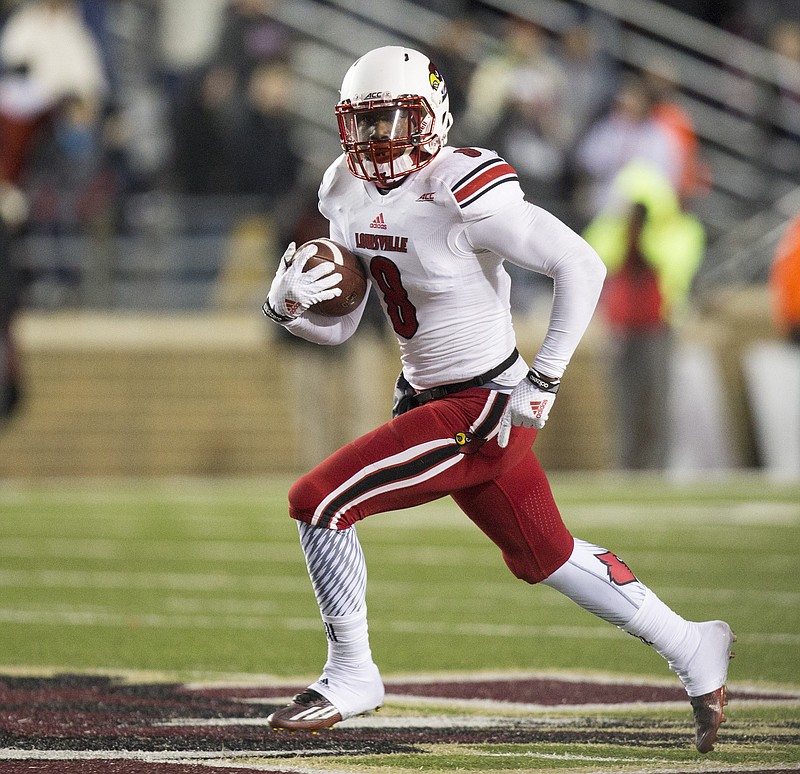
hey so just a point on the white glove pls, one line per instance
(293, 290)
(528, 405)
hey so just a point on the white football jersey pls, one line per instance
(434, 248)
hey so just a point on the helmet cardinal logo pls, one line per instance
(618, 572)
(435, 79)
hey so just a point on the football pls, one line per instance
(353, 283)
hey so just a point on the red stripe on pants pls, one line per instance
(504, 491)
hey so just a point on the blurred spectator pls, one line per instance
(139, 100)
(251, 35)
(205, 129)
(116, 144)
(265, 174)
(593, 82)
(12, 212)
(50, 40)
(455, 52)
(267, 163)
(23, 113)
(48, 54)
(516, 103)
(592, 79)
(95, 14)
(785, 283)
(73, 185)
(652, 249)
(694, 177)
(53, 87)
(189, 36)
(754, 19)
(628, 133)
(63, 178)
(782, 108)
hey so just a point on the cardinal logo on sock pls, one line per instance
(618, 571)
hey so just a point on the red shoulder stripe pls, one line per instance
(482, 180)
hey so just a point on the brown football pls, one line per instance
(353, 283)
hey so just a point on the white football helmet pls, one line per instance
(394, 114)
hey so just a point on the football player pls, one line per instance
(433, 226)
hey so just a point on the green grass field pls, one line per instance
(205, 579)
(204, 576)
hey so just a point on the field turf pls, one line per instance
(203, 581)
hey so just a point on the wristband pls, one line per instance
(273, 315)
(542, 383)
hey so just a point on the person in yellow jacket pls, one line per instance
(652, 250)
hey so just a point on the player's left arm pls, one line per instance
(319, 329)
(308, 325)
(304, 289)
(534, 239)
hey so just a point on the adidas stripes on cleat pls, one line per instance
(309, 711)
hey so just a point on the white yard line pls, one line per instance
(518, 715)
(218, 551)
(182, 756)
(198, 492)
(264, 760)
(178, 581)
(698, 516)
(156, 581)
(95, 617)
(223, 551)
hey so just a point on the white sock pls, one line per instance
(350, 680)
(697, 652)
(670, 635)
(601, 583)
(348, 640)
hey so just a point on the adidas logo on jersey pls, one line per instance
(378, 222)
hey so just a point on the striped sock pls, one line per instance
(337, 569)
(335, 561)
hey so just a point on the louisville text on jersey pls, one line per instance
(385, 243)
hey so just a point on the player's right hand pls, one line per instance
(293, 290)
